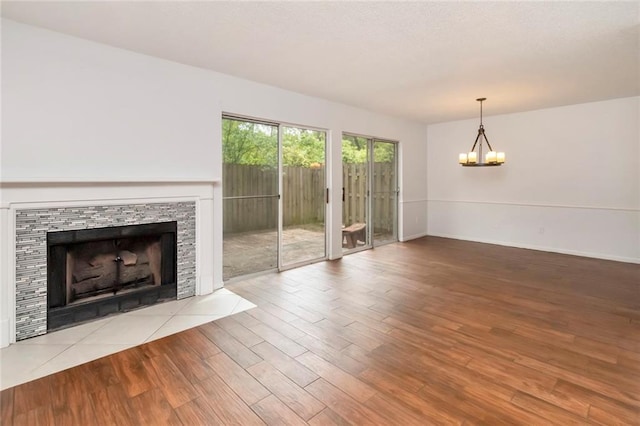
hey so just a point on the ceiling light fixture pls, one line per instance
(473, 158)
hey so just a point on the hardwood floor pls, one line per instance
(432, 331)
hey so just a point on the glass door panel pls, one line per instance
(250, 197)
(303, 195)
(355, 193)
(385, 192)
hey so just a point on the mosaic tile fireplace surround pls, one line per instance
(32, 226)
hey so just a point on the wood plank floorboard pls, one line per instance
(432, 331)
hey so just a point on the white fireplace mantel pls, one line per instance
(33, 193)
(105, 180)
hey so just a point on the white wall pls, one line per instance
(78, 109)
(74, 110)
(571, 182)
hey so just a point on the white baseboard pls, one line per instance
(413, 237)
(542, 248)
(4, 333)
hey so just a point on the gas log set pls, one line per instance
(106, 267)
(100, 271)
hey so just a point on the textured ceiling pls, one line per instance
(425, 61)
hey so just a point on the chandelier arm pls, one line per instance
(476, 142)
(488, 144)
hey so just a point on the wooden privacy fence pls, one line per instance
(383, 196)
(249, 214)
(303, 190)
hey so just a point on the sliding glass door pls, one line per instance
(273, 196)
(250, 197)
(303, 196)
(356, 227)
(370, 192)
(384, 186)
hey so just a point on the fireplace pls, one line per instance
(96, 272)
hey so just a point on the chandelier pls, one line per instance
(474, 158)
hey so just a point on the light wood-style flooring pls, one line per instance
(433, 331)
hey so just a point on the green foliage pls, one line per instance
(256, 144)
(249, 143)
(302, 147)
(354, 150)
(384, 152)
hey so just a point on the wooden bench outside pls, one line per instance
(353, 233)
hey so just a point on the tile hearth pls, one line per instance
(40, 356)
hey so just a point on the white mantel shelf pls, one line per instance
(23, 193)
(107, 180)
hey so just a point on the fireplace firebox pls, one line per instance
(99, 271)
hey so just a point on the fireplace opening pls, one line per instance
(100, 271)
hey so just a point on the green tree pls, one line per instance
(354, 149)
(303, 147)
(384, 152)
(249, 143)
